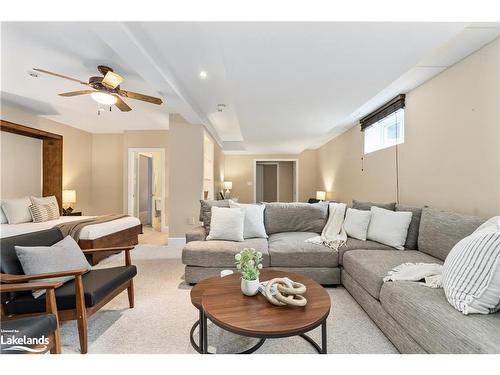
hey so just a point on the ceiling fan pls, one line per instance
(106, 90)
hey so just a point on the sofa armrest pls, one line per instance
(196, 234)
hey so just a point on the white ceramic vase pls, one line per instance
(249, 287)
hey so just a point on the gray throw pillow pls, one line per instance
(412, 237)
(64, 255)
(206, 210)
(367, 205)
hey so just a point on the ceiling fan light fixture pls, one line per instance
(103, 98)
(112, 80)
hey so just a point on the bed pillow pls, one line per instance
(64, 255)
(471, 271)
(227, 224)
(44, 212)
(3, 218)
(389, 227)
(254, 219)
(17, 210)
(356, 223)
(46, 200)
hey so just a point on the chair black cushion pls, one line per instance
(32, 326)
(97, 285)
(8, 258)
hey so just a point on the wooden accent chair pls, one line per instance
(43, 325)
(76, 299)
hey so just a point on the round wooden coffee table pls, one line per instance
(220, 300)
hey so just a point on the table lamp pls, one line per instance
(68, 198)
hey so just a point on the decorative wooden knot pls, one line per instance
(288, 292)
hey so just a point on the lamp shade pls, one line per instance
(228, 185)
(321, 195)
(69, 196)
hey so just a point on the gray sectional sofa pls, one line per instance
(416, 319)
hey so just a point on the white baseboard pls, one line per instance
(176, 241)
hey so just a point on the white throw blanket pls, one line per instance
(333, 234)
(430, 272)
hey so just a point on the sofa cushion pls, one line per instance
(355, 244)
(206, 210)
(295, 217)
(221, 253)
(196, 234)
(441, 230)
(97, 285)
(368, 267)
(428, 317)
(366, 205)
(32, 327)
(289, 249)
(412, 236)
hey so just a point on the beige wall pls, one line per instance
(77, 153)
(451, 155)
(239, 168)
(219, 173)
(20, 166)
(185, 184)
(107, 173)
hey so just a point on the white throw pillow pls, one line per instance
(227, 224)
(3, 218)
(254, 219)
(471, 271)
(356, 223)
(389, 227)
(64, 255)
(46, 200)
(17, 210)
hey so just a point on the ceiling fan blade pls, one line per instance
(112, 80)
(122, 106)
(137, 96)
(75, 93)
(61, 76)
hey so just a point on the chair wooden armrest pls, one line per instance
(50, 304)
(30, 286)
(108, 249)
(9, 278)
(128, 260)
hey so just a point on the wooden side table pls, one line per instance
(73, 214)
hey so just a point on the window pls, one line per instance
(386, 132)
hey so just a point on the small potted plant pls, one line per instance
(249, 263)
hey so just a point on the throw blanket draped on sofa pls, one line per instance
(333, 234)
(431, 273)
(73, 228)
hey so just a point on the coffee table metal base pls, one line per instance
(202, 345)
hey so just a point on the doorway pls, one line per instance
(276, 180)
(146, 183)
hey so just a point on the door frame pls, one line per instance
(296, 179)
(132, 171)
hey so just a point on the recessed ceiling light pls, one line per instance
(203, 74)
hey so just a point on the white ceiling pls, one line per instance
(287, 86)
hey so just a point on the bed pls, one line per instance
(119, 232)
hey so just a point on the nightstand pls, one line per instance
(73, 214)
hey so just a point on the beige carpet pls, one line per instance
(163, 316)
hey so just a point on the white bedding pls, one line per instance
(89, 232)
